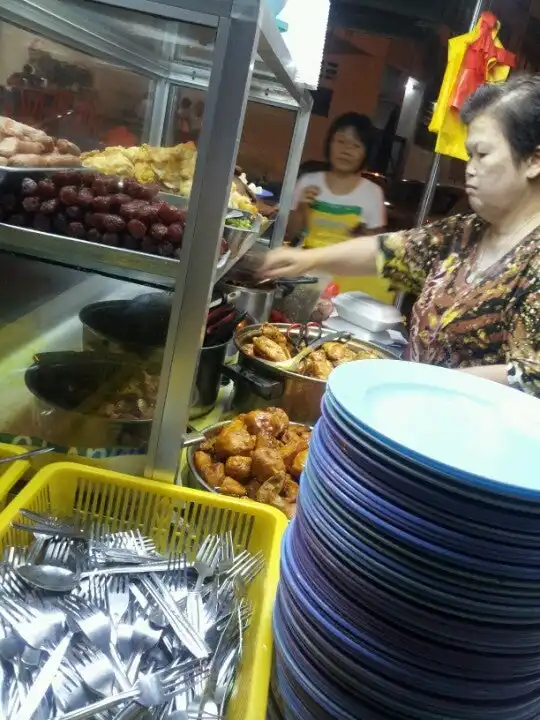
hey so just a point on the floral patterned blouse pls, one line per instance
(462, 319)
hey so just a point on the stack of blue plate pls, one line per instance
(410, 580)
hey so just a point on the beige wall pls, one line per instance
(356, 89)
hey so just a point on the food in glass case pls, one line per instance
(273, 345)
(99, 208)
(134, 401)
(259, 455)
(24, 146)
(172, 168)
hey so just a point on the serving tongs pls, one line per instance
(295, 361)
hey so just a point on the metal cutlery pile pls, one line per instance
(99, 624)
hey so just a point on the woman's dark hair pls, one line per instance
(362, 127)
(516, 105)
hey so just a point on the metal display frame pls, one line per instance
(249, 61)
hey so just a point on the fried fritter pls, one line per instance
(234, 439)
(238, 467)
(232, 487)
(268, 349)
(266, 463)
(298, 464)
(338, 352)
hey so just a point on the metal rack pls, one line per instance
(232, 49)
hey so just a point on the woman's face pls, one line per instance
(494, 182)
(347, 152)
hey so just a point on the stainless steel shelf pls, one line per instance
(113, 262)
(81, 254)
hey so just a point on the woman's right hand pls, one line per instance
(309, 195)
(286, 262)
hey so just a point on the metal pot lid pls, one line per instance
(143, 321)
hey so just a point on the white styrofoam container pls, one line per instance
(363, 310)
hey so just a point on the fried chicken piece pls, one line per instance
(268, 349)
(258, 422)
(288, 436)
(280, 420)
(266, 463)
(248, 349)
(275, 334)
(367, 355)
(229, 486)
(290, 489)
(286, 507)
(338, 352)
(298, 464)
(271, 488)
(304, 431)
(289, 451)
(267, 441)
(214, 474)
(234, 439)
(202, 460)
(207, 445)
(319, 369)
(252, 488)
(238, 467)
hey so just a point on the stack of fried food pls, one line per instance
(259, 455)
(172, 168)
(25, 146)
(273, 345)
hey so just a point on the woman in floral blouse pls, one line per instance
(477, 276)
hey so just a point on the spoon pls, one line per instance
(293, 363)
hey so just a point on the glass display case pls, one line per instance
(121, 73)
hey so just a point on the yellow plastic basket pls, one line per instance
(11, 473)
(158, 510)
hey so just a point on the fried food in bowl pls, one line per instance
(259, 455)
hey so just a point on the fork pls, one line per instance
(151, 690)
(95, 670)
(68, 693)
(205, 565)
(42, 682)
(96, 627)
(37, 628)
(180, 625)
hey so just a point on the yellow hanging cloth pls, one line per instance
(473, 59)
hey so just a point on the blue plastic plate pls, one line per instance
(478, 431)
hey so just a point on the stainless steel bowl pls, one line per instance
(193, 443)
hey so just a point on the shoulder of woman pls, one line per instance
(372, 187)
(310, 178)
(456, 224)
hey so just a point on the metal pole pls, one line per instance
(291, 174)
(226, 100)
(431, 183)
